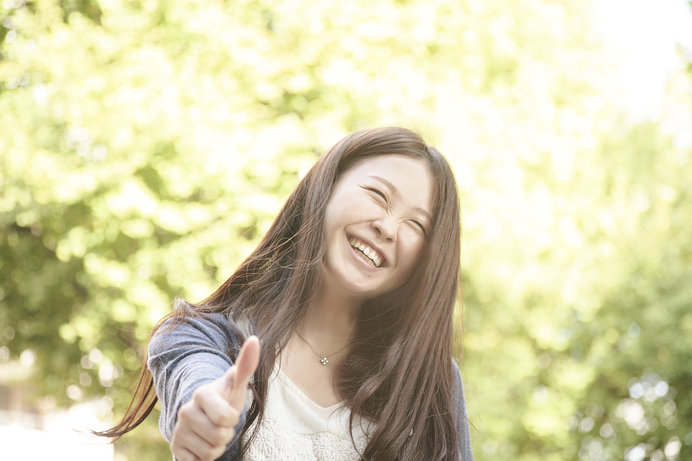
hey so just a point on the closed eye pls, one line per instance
(377, 192)
(418, 224)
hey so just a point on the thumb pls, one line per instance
(238, 375)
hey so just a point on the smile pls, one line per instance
(371, 255)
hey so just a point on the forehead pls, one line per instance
(409, 176)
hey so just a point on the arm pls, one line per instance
(461, 417)
(185, 357)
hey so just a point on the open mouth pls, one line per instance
(369, 254)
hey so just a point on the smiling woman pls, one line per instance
(351, 294)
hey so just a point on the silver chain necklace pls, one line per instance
(324, 359)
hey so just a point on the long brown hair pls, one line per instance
(399, 372)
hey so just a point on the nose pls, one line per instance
(385, 227)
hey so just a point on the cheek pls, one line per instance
(328, 224)
(411, 248)
(333, 219)
(350, 212)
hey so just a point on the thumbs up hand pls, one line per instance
(206, 423)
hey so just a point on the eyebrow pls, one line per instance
(395, 191)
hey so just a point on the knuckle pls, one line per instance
(184, 413)
(219, 437)
(234, 416)
(217, 451)
(176, 443)
(187, 407)
(207, 453)
(198, 395)
(228, 418)
(177, 450)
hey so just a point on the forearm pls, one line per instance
(185, 356)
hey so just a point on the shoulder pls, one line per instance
(461, 415)
(456, 371)
(458, 384)
(194, 329)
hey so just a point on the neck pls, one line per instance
(330, 319)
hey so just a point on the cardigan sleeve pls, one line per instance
(182, 357)
(461, 417)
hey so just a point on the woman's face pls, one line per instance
(376, 223)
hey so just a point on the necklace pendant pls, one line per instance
(324, 361)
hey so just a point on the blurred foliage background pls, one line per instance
(146, 145)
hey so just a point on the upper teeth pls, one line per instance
(373, 255)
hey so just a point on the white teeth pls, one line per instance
(371, 254)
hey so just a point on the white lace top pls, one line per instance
(296, 428)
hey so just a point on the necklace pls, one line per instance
(324, 359)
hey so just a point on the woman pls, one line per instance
(352, 293)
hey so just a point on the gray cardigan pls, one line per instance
(193, 353)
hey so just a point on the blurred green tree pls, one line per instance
(146, 146)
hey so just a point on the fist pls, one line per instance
(206, 423)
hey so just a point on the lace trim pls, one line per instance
(276, 441)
